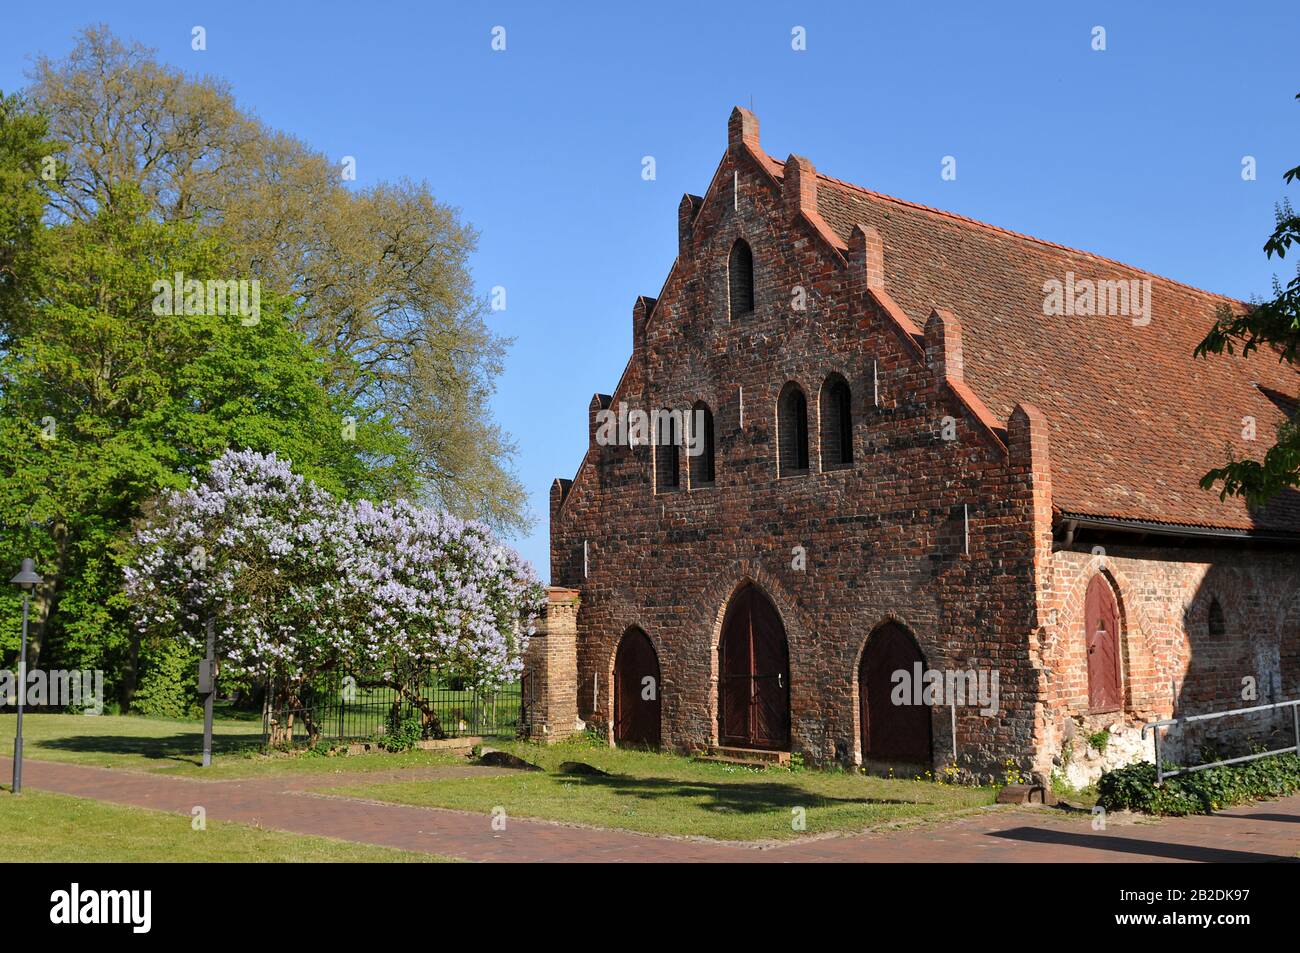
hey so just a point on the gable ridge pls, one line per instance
(747, 144)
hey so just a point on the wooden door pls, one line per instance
(1101, 621)
(636, 691)
(754, 683)
(891, 732)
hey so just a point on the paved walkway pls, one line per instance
(1261, 832)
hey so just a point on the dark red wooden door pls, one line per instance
(754, 687)
(1101, 619)
(891, 732)
(636, 691)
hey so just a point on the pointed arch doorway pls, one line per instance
(891, 733)
(636, 691)
(753, 675)
(1101, 621)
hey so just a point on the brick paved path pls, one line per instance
(1260, 832)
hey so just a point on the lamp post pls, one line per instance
(208, 688)
(27, 578)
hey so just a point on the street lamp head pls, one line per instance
(27, 576)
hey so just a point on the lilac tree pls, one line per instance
(303, 584)
(434, 594)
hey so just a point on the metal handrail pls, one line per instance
(1161, 774)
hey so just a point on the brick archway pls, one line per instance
(934, 656)
(713, 603)
(887, 732)
(1142, 663)
(636, 704)
(754, 674)
(598, 699)
(1103, 639)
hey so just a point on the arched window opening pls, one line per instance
(700, 448)
(836, 423)
(1218, 625)
(667, 444)
(792, 431)
(740, 280)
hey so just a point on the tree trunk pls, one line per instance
(46, 596)
(312, 726)
(130, 671)
(430, 726)
(281, 732)
(280, 723)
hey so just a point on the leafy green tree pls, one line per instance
(380, 273)
(24, 149)
(104, 403)
(1272, 325)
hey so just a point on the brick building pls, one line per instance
(912, 442)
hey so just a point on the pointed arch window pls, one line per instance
(1217, 623)
(836, 423)
(667, 445)
(700, 450)
(792, 431)
(740, 280)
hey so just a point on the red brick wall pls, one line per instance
(1172, 666)
(884, 537)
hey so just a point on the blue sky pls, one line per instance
(1134, 153)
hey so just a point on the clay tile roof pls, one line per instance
(1135, 419)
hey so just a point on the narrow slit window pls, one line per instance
(836, 423)
(792, 431)
(1218, 625)
(667, 437)
(740, 280)
(701, 446)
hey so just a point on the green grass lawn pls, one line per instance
(666, 794)
(176, 747)
(646, 792)
(54, 827)
(125, 740)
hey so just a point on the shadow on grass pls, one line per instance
(231, 713)
(755, 797)
(186, 748)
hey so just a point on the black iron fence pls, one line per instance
(340, 710)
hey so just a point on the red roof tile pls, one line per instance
(1135, 420)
